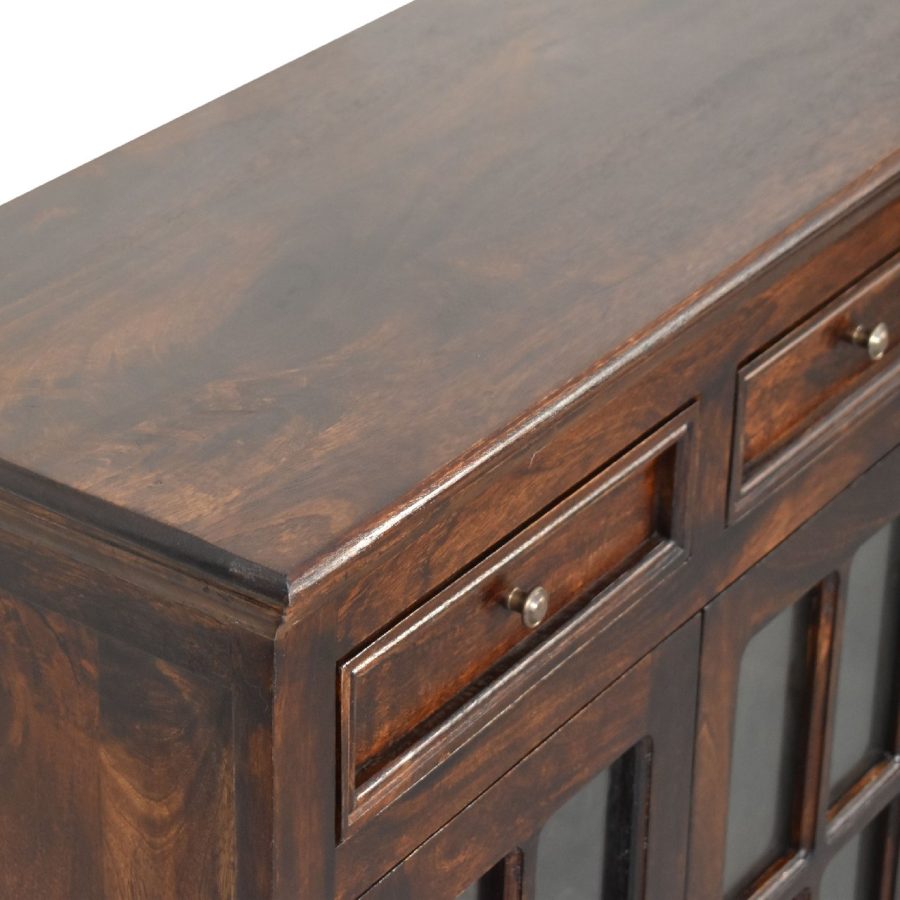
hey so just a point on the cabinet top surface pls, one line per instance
(272, 320)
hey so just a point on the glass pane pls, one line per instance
(853, 873)
(585, 849)
(863, 714)
(488, 887)
(769, 732)
(572, 845)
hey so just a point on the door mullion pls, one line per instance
(889, 888)
(828, 652)
(521, 872)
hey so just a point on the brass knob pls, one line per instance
(531, 605)
(874, 340)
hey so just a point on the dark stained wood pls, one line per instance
(821, 664)
(596, 649)
(108, 755)
(304, 759)
(494, 731)
(483, 294)
(638, 705)
(271, 323)
(121, 593)
(806, 561)
(48, 699)
(598, 535)
(787, 396)
(135, 732)
(166, 758)
(520, 871)
(490, 504)
(524, 473)
(804, 376)
(828, 645)
(254, 805)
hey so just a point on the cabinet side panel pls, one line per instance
(166, 778)
(135, 749)
(49, 761)
(116, 768)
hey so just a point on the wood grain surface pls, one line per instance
(283, 380)
(812, 562)
(636, 713)
(106, 757)
(627, 524)
(803, 377)
(270, 325)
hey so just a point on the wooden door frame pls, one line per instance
(651, 705)
(815, 558)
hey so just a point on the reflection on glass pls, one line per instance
(585, 849)
(853, 873)
(862, 728)
(772, 697)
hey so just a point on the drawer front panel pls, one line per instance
(814, 383)
(413, 684)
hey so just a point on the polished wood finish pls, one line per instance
(814, 381)
(643, 709)
(112, 708)
(480, 296)
(135, 733)
(814, 560)
(626, 524)
(276, 324)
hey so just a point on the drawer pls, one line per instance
(427, 684)
(815, 384)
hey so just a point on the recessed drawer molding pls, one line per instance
(427, 684)
(815, 385)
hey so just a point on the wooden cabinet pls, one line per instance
(798, 750)
(466, 463)
(626, 527)
(599, 808)
(814, 382)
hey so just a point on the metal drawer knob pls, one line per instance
(531, 605)
(874, 340)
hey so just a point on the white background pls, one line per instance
(79, 77)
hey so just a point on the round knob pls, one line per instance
(531, 605)
(874, 340)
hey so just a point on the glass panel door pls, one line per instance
(866, 708)
(853, 873)
(768, 744)
(797, 748)
(599, 809)
(572, 846)
(588, 848)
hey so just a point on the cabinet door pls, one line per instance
(797, 767)
(598, 811)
